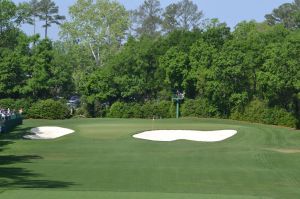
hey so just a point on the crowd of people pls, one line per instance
(7, 114)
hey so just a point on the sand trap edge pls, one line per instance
(191, 135)
(48, 133)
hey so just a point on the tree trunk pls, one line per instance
(96, 56)
(46, 27)
(34, 25)
(46, 32)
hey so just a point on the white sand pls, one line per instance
(48, 132)
(173, 135)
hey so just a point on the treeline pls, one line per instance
(131, 63)
(229, 72)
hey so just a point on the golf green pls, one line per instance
(102, 160)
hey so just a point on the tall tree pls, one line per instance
(13, 61)
(38, 72)
(182, 15)
(49, 14)
(134, 70)
(189, 15)
(9, 30)
(202, 55)
(99, 26)
(170, 22)
(287, 14)
(12, 15)
(216, 33)
(175, 65)
(48, 73)
(7, 14)
(34, 11)
(147, 18)
(279, 78)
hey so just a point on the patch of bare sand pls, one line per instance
(173, 135)
(48, 132)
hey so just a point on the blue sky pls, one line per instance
(229, 11)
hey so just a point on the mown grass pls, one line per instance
(102, 160)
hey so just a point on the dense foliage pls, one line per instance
(150, 109)
(250, 73)
(199, 108)
(258, 111)
(48, 109)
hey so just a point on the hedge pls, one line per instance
(258, 111)
(198, 108)
(49, 109)
(150, 109)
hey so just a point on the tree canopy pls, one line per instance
(233, 73)
(99, 26)
(287, 14)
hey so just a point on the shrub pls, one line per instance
(150, 109)
(135, 110)
(81, 112)
(125, 110)
(23, 104)
(258, 111)
(48, 109)
(117, 110)
(198, 108)
(255, 111)
(157, 109)
(7, 103)
(164, 109)
(279, 116)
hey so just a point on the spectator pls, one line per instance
(6, 114)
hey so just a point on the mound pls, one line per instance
(48, 132)
(173, 135)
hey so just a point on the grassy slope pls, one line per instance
(102, 160)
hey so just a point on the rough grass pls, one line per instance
(102, 160)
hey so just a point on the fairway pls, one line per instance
(102, 160)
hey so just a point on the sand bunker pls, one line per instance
(173, 135)
(48, 132)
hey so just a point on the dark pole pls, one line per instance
(177, 108)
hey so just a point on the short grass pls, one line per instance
(102, 160)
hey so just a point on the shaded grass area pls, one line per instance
(102, 160)
(14, 176)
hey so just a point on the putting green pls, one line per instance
(102, 160)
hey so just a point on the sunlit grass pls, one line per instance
(102, 160)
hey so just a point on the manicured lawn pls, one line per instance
(102, 160)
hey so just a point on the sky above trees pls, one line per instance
(229, 11)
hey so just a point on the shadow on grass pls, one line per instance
(16, 134)
(13, 176)
(3, 144)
